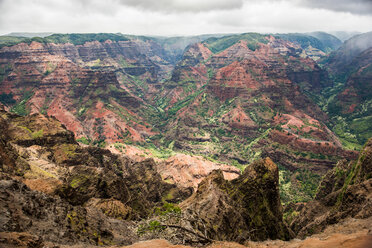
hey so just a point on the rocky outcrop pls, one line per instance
(54, 219)
(151, 190)
(334, 179)
(344, 192)
(96, 193)
(245, 208)
(37, 129)
(64, 193)
(20, 239)
(85, 183)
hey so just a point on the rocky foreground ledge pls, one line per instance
(55, 193)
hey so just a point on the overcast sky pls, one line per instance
(184, 17)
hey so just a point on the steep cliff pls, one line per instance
(348, 100)
(344, 192)
(64, 193)
(246, 208)
(92, 86)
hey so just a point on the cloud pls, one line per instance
(177, 17)
(362, 7)
(184, 5)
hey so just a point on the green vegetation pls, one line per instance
(348, 100)
(304, 41)
(353, 129)
(290, 215)
(47, 101)
(21, 108)
(84, 140)
(7, 99)
(350, 179)
(139, 83)
(217, 45)
(76, 39)
(124, 63)
(161, 215)
(77, 221)
(167, 208)
(4, 70)
(11, 40)
(68, 149)
(308, 181)
(78, 181)
(33, 134)
(159, 152)
(152, 226)
(183, 103)
(342, 129)
(297, 186)
(210, 73)
(37, 134)
(36, 171)
(99, 129)
(362, 128)
(216, 138)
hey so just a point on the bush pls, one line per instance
(168, 208)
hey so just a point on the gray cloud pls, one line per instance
(184, 5)
(363, 7)
(182, 17)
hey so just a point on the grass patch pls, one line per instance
(21, 108)
(37, 172)
(84, 140)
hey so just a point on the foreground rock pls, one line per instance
(20, 240)
(351, 234)
(245, 208)
(56, 192)
(346, 191)
(60, 192)
(53, 219)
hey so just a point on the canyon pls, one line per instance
(131, 138)
(55, 192)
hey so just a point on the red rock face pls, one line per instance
(213, 102)
(255, 95)
(92, 104)
(315, 146)
(359, 81)
(238, 119)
